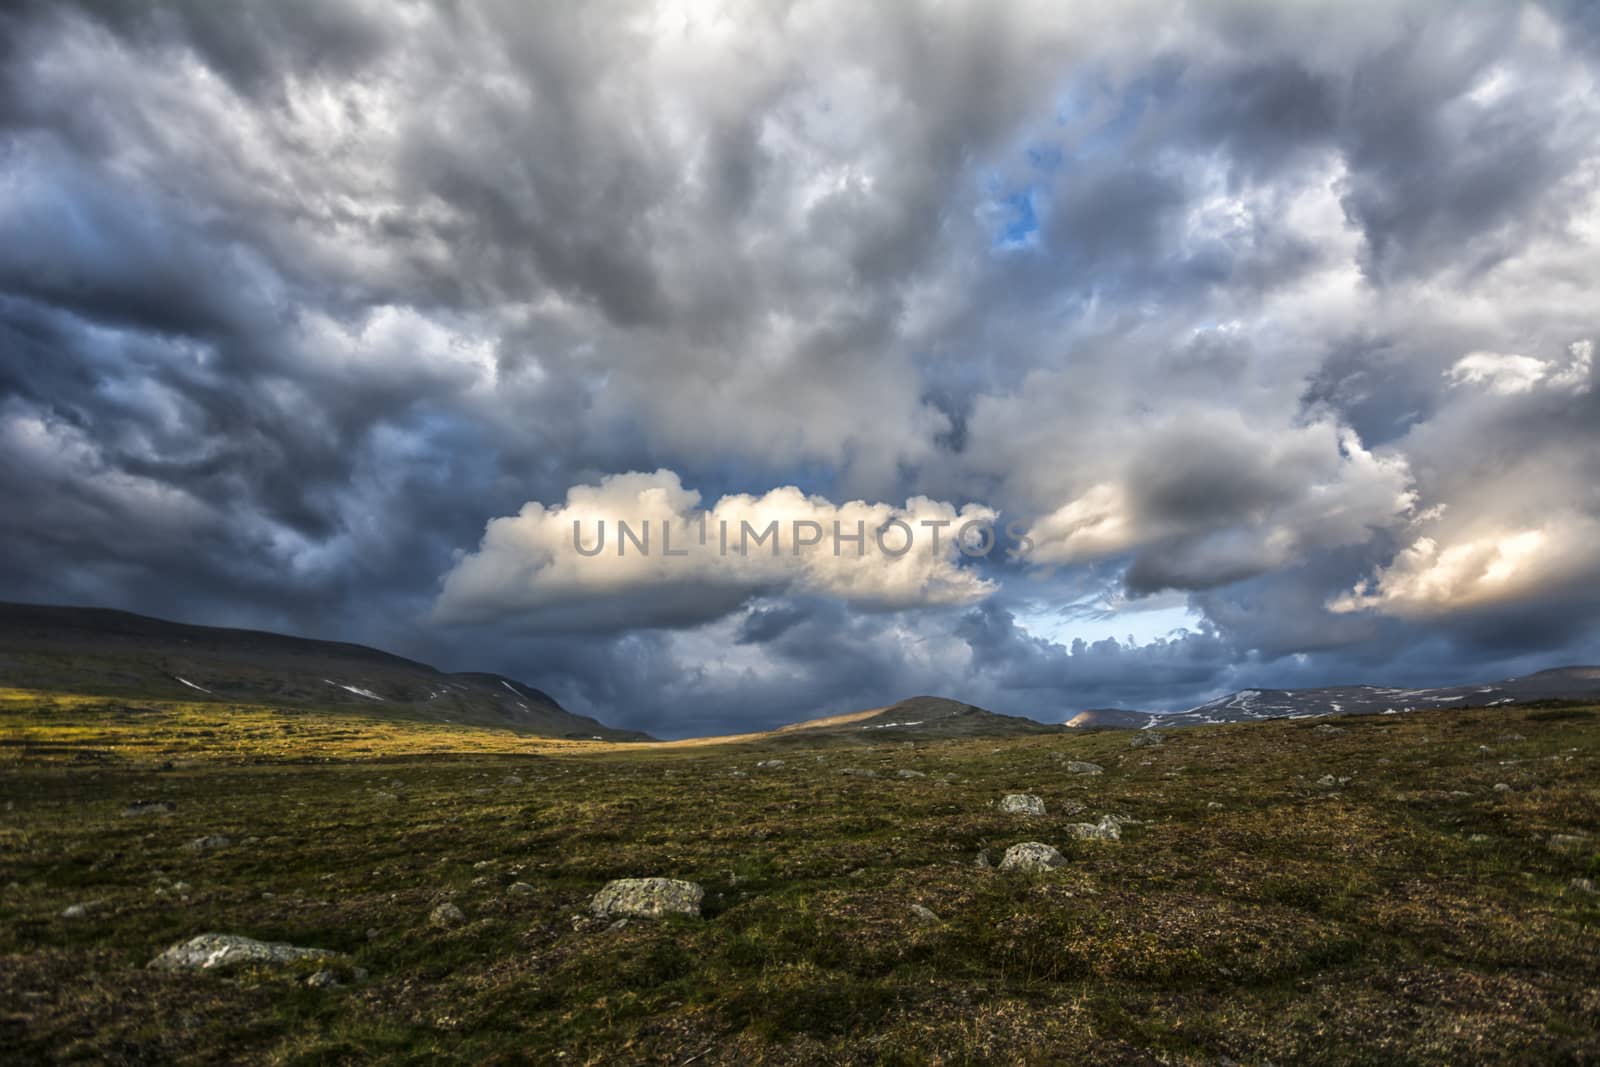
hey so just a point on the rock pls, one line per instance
(149, 807)
(1583, 885)
(1477, 839)
(84, 910)
(521, 889)
(1073, 807)
(907, 772)
(1501, 787)
(1215, 805)
(982, 860)
(387, 798)
(1021, 804)
(769, 764)
(1031, 856)
(1567, 842)
(209, 843)
(617, 927)
(648, 898)
(373, 933)
(1328, 781)
(1104, 830)
(323, 980)
(1327, 729)
(923, 915)
(857, 772)
(447, 914)
(1146, 739)
(738, 774)
(511, 779)
(1080, 767)
(209, 952)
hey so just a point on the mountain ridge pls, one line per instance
(121, 653)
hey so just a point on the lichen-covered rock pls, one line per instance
(1080, 767)
(149, 807)
(447, 914)
(1107, 829)
(1146, 739)
(647, 898)
(210, 952)
(209, 843)
(1031, 856)
(1021, 804)
(907, 772)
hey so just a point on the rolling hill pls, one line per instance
(116, 653)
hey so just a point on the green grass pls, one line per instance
(1295, 923)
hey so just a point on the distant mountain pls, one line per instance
(117, 653)
(1250, 705)
(920, 718)
(1113, 719)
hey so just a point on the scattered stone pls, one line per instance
(1215, 805)
(1146, 739)
(983, 859)
(617, 927)
(387, 798)
(1073, 807)
(521, 889)
(210, 952)
(324, 980)
(209, 843)
(769, 764)
(857, 772)
(149, 807)
(1477, 839)
(1021, 804)
(1327, 729)
(1583, 885)
(648, 898)
(511, 779)
(1565, 842)
(1031, 856)
(1080, 767)
(923, 915)
(907, 772)
(738, 774)
(373, 933)
(447, 914)
(1501, 787)
(84, 910)
(1104, 830)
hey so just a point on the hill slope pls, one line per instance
(921, 718)
(99, 651)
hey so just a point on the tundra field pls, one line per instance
(1414, 888)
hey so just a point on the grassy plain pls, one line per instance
(1405, 910)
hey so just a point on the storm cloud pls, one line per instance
(1272, 325)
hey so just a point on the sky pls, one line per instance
(1267, 328)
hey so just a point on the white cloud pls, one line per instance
(1511, 374)
(528, 568)
(1493, 567)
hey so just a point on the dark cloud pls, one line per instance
(296, 298)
